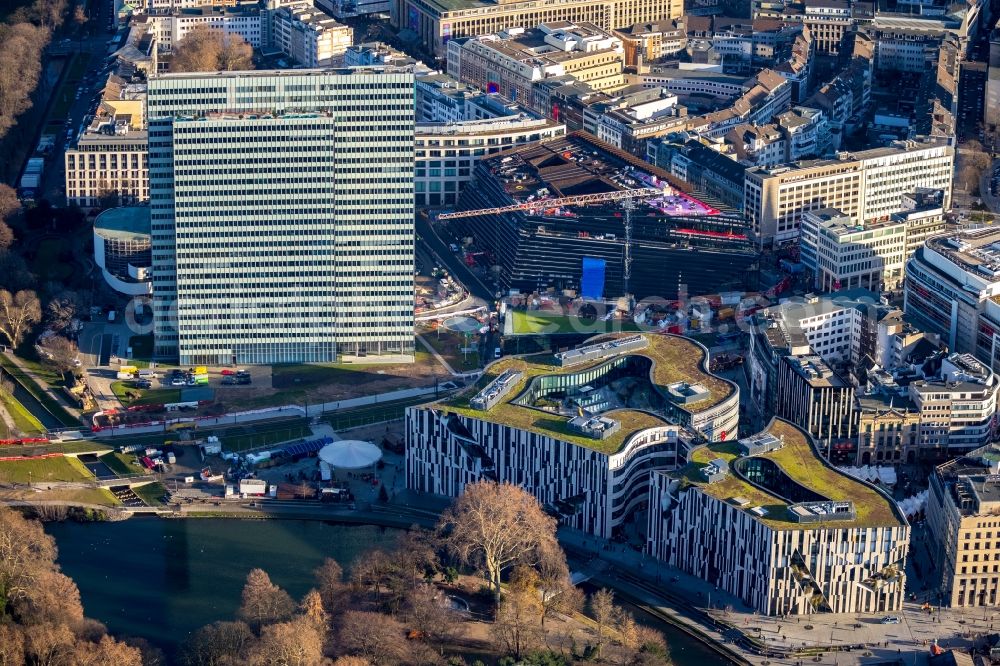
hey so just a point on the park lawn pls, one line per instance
(387, 411)
(50, 262)
(300, 376)
(121, 464)
(157, 396)
(264, 434)
(50, 403)
(23, 419)
(40, 470)
(449, 345)
(548, 323)
(150, 493)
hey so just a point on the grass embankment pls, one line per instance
(377, 413)
(300, 384)
(41, 470)
(42, 396)
(23, 419)
(121, 464)
(101, 496)
(252, 436)
(130, 396)
(151, 493)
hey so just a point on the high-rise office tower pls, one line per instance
(282, 215)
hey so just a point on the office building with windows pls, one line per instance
(581, 435)
(963, 523)
(768, 520)
(282, 215)
(866, 186)
(952, 288)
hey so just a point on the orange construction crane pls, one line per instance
(579, 200)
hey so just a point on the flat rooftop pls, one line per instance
(798, 459)
(675, 359)
(125, 223)
(577, 165)
(973, 250)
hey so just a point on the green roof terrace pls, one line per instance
(664, 361)
(804, 471)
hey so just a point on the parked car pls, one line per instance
(890, 619)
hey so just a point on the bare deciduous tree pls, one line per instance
(495, 526)
(604, 612)
(312, 610)
(26, 554)
(374, 636)
(558, 594)
(18, 314)
(373, 570)
(263, 601)
(516, 629)
(6, 236)
(60, 352)
(64, 307)
(105, 652)
(218, 644)
(206, 49)
(9, 203)
(11, 645)
(430, 613)
(330, 585)
(236, 54)
(49, 644)
(295, 643)
(21, 45)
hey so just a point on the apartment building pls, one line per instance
(767, 95)
(435, 22)
(841, 254)
(447, 153)
(309, 36)
(963, 523)
(271, 250)
(583, 448)
(769, 521)
(509, 63)
(107, 163)
(866, 186)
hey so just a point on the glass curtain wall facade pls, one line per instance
(282, 215)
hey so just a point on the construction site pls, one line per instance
(579, 217)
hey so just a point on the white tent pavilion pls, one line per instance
(350, 454)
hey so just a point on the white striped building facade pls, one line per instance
(769, 569)
(593, 491)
